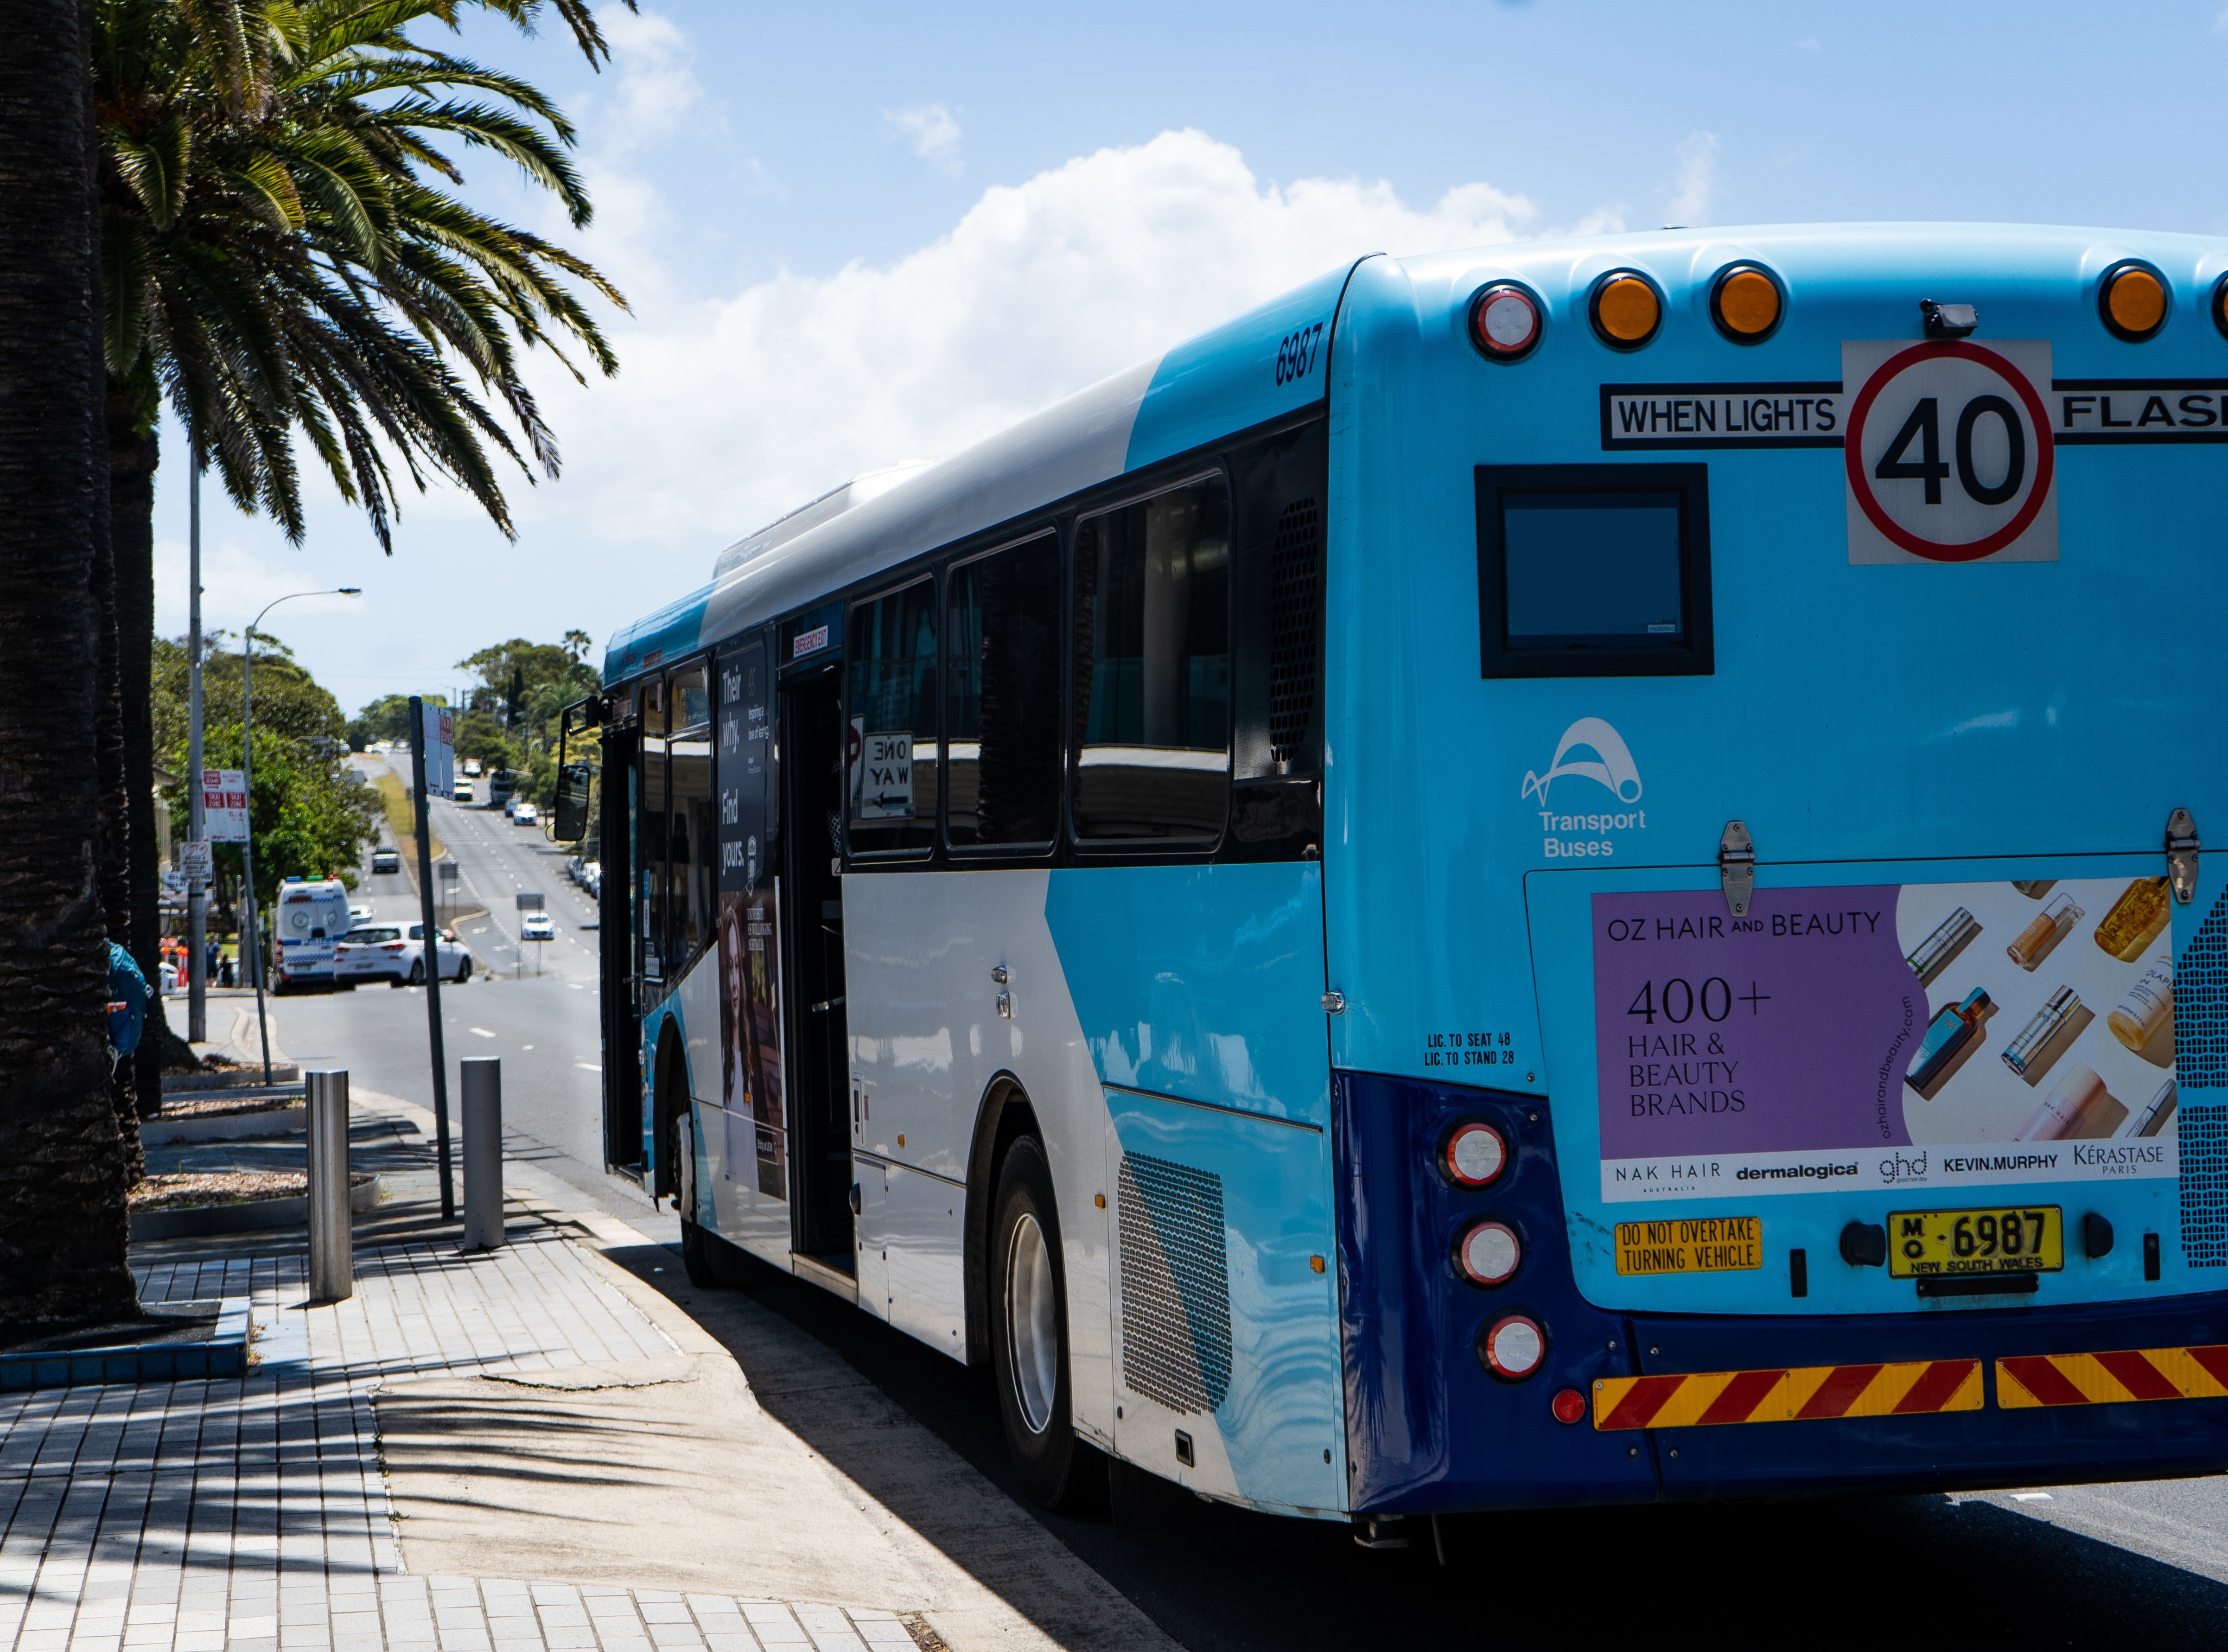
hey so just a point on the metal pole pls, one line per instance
(248, 933)
(196, 829)
(332, 1257)
(483, 1131)
(431, 951)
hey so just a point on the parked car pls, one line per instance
(396, 953)
(384, 861)
(536, 926)
(592, 878)
(359, 915)
(525, 814)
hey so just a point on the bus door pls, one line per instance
(811, 785)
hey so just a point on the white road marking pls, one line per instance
(588, 1066)
(482, 1032)
(526, 1046)
(2030, 1497)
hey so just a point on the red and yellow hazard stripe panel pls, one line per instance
(2112, 1379)
(1802, 1393)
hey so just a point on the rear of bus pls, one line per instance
(1773, 683)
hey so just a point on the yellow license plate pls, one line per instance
(2002, 1239)
(1699, 1244)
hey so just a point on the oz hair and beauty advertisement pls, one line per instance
(1886, 1035)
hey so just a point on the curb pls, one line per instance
(196, 1221)
(225, 1355)
(281, 1072)
(224, 1127)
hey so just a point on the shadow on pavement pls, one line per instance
(1219, 1579)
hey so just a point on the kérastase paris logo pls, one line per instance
(1611, 764)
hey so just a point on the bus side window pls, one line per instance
(891, 745)
(1152, 650)
(695, 862)
(651, 834)
(1001, 718)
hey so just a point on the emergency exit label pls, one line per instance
(1949, 451)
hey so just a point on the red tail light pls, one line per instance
(1504, 323)
(1514, 1346)
(1489, 1254)
(1569, 1405)
(1474, 1153)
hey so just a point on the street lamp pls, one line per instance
(251, 948)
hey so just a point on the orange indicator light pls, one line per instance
(2133, 301)
(1746, 304)
(1627, 312)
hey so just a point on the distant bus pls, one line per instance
(312, 913)
(501, 784)
(1564, 874)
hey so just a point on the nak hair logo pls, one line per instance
(1609, 764)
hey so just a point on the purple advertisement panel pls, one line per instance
(1884, 1035)
(1778, 1031)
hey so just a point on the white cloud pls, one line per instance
(732, 409)
(932, 130)
(655, 80)
(1696, 179)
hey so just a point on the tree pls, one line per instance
(310, 814)
(387, 718)
(62, 1213)
(282, 261)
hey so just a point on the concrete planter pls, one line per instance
(196, 1220)
(281, 1072)
(223, 1127)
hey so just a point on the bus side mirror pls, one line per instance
(574, 781)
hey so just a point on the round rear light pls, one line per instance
(1513, 1347)
(2133, 299)
(1489, 1254)
(1746, 304)
(1474, 1153)
(1504, 323)
(1569, 1405)
(1626, 312)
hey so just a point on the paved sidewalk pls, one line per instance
(252, 1514)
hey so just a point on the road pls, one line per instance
(2053, 1567)
(532, 1004)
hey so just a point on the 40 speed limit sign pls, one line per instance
(1948, 451)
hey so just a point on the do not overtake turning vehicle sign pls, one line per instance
(1948, 451)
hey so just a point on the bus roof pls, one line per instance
(1221, 382)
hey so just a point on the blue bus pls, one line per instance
(1540, 876)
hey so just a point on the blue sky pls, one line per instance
(856, 234)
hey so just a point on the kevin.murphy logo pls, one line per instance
(1590, 750)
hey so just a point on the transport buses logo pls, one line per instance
(1590, 750)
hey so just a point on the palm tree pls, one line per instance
(283, 261)
(61, 1175)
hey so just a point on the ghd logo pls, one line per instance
(1611, 767)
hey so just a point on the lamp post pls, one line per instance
(251, 947)
(197, 830)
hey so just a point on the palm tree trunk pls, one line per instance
(62, 1222)
(132, 455)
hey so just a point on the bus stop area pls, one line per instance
(532, 1446)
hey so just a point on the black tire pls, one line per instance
(464, 970)
(395, 982)
(417, 973)
(696, 1256)
(1055, 1468)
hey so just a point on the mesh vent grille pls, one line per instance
(2200, 1005)
(1296, 616)
(2204, 1186)
(1176, 1284)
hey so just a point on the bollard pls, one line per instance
(483, 1088)
(332, 1256)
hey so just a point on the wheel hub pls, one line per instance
(1032, 1324)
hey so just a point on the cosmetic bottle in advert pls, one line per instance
(1947, 940)
(2033, 888)
(2079, 1108)
(1953, 1027)
(2147, 1006)
(2135, 920)
(2050, 925)
(2153, 1118)
(2024, 1054)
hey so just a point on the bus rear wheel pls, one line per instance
(1029, 1303)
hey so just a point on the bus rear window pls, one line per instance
(1593, 570)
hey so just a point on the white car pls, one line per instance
(396, 953)
(525, 814)
(471, 766)
(359, 915)
(536, 926)
(464, 791)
